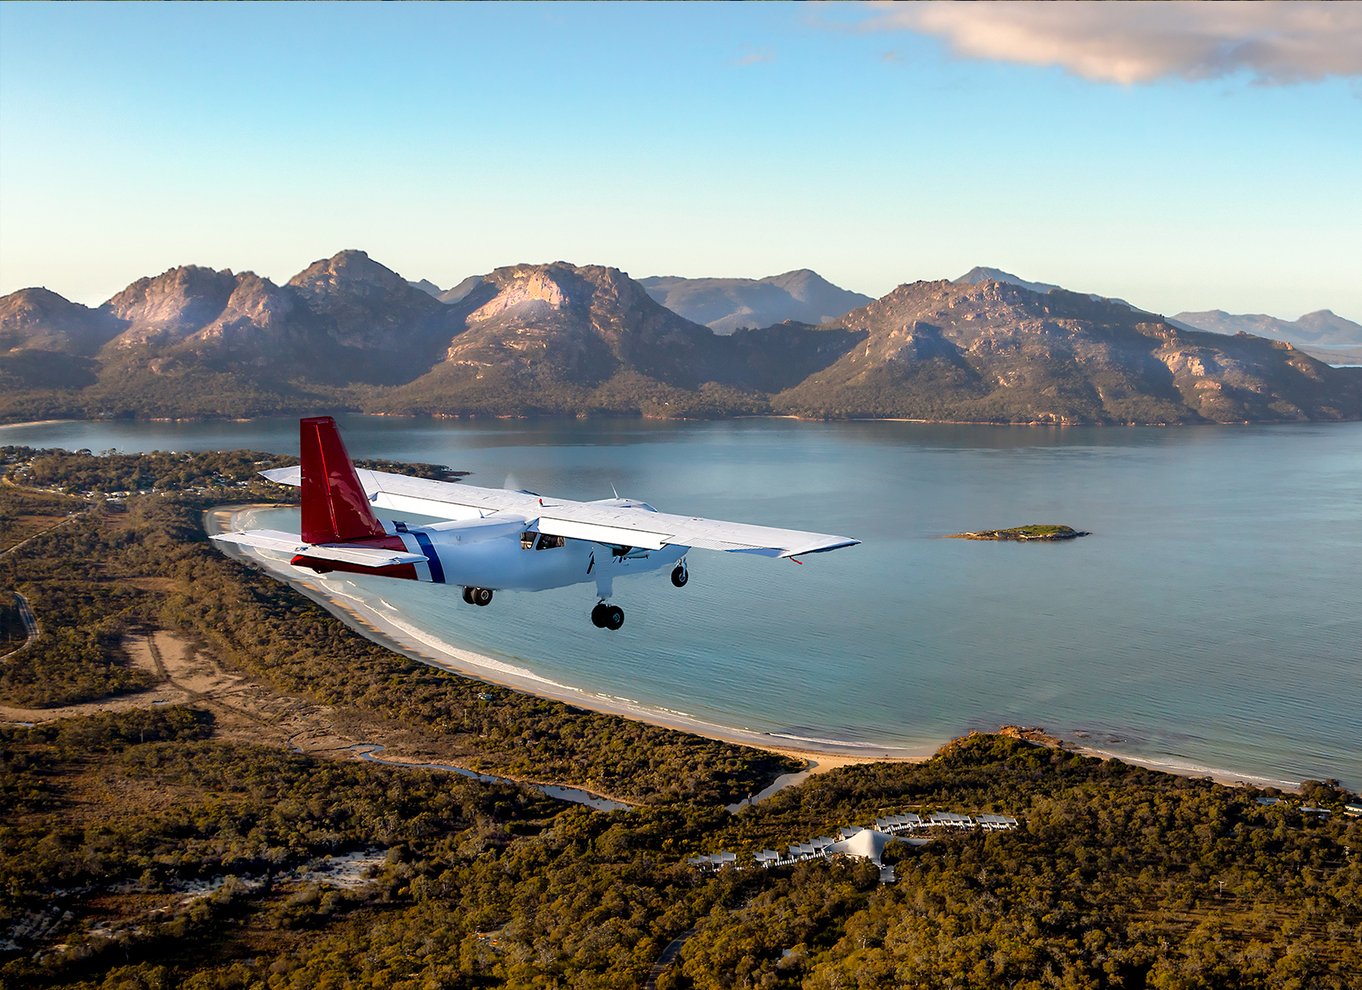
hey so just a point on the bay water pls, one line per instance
(1212, 621)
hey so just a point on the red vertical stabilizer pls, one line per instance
(335, 509)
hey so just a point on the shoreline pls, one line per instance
(474, 417)
(1229, 778)
(819, 756)
(40, 422)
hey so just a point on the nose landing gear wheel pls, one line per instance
(477, 596)
(605, 616)
(680, 575)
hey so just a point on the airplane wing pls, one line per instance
(620, 525)
(615, 523)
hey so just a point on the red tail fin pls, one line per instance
(335, 509)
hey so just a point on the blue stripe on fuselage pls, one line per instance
(437, 571)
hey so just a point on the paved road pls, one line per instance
(668, 954)
(30, 622)
(25, 613)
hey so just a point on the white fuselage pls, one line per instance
(497, 555)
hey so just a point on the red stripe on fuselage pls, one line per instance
(404, 571)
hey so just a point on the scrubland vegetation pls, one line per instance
(146, 848)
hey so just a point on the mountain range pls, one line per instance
(563, 339)
(728, 304)
(1322, 334)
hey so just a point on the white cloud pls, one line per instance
(755, 57)
(1273, 42)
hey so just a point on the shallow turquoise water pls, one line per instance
(1214, 618)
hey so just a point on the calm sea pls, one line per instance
(1213, 619)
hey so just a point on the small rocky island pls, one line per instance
(1034, 531)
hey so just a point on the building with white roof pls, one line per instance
(997, 823)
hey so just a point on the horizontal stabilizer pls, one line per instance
(273, 539)
(284, 476)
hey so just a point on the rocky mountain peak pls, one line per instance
(255, 306)
(426, 286)
(616, 286)
(558, 286)
(568, 326)
(461, 291)
(539, 286)
(349, 268)
(172, 305)
(372, 323)
(32, 304)
(798, 280)
(727, 304)
(159, 297)
(1327, 321)
(40, 319)
(982, 273)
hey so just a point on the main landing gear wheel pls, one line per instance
(477, 596)
(680, 575)
(605, 616)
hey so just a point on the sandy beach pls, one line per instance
(32, 422)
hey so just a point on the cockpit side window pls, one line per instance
(550, 542)
(527, 540)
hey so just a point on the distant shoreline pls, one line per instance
(818, 755)
(481, 417)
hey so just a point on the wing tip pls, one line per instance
(284, 475)
(821, 548)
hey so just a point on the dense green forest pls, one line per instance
(150, 847)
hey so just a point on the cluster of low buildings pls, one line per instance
(911, 822)
(861, 843)
(1352, 810)
(869, 843)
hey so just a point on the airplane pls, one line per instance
(493, 539)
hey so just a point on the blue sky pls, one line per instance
(874, 145)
